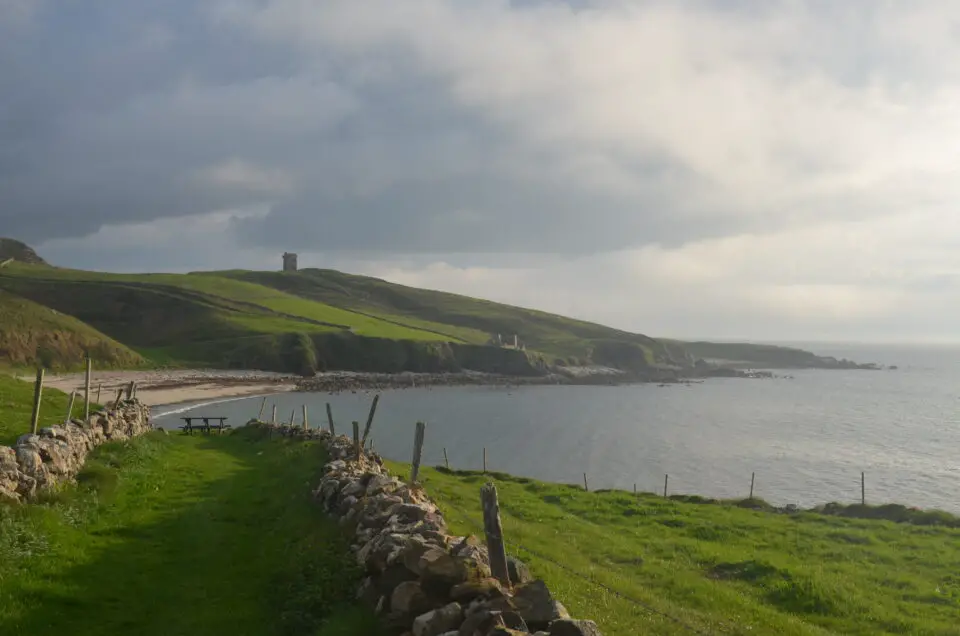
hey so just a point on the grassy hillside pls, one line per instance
(720, 569)
(182, 535)
(198, 319)
(12, 250)
(318, 320)
(469, 319)
(16, 408)
(32, 334)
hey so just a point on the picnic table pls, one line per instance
(204, 426)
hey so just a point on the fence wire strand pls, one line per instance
(478, 527)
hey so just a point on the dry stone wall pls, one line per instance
(421, 579)
(57, 453)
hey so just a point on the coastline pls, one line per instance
(166, 388)
(172, 387)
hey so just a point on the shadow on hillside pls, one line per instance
(229, 543)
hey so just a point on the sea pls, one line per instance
(805, 439)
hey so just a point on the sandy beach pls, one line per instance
(156, 388)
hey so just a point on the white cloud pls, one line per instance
(758, 108)
(238, 174)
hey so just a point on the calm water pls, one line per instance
(807, 438)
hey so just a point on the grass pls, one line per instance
(190, 319)
(720, 569)
(170, 535)
(30, 331)
(471, 319)
(16, 408)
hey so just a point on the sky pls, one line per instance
(756, 169)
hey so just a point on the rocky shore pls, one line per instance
(420, 579)
(339, 382)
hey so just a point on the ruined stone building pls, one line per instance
(289, 262)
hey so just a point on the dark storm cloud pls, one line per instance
(118, 112)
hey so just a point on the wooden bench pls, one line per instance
(205, 427)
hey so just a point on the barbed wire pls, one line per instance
(478, 527)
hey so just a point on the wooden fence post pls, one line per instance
(99, 388)
(417, 451)
(73, 398)
(37, 395)
(484, 460)
(634, 490)
(263, 404)
(86, 389)
(305, 424)
(356, 440)
(446, 461)
(293, 415)
(863, 489)
(586, 488)
(116, 403)
(753, 477)
(366, 429)
(665, 479)
(333, 431)
(273, 419)
(494, 533)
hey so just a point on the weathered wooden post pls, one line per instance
(446, 462)
(417, 451)
(494, 533)
(136, 387)
(293, 415)
(305, 424)
(130, 390)
(585, 486)
(333, 431)
(37, 395)
(863, 489)
(753, 477)
(273, 418)
(99, 388)
(86, 389)
(373, 410)
(356, 440)
(116, 403)
(484, 460)
(634, 490)
(665, 479)
(73, 398)
(263, 404)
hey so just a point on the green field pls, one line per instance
(31, 332)
(249, 319)
(16, 408)
(717, 569)
(242, 319)
(177, 536)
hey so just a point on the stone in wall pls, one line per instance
(422, 580)
(57, 453)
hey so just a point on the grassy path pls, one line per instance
(181, 535)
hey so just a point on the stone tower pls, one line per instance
(289, 262)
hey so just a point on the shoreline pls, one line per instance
(169, 388)
(173, 387)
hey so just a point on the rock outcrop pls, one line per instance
(57, 453)
(420, 579)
